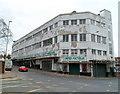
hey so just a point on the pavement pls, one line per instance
(8, 74)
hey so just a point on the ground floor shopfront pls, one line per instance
(89, 68)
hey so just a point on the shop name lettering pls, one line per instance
(73, 58)
(42, 54)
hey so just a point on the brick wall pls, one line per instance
(2, 65)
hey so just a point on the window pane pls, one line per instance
(93, 37)
(73, 22)
(66, 22)
(65, 38)
(74, 37)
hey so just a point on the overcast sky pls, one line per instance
(26, 15)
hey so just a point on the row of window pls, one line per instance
(65, 22)
(74, 22)
(97, 23)
(74, 37)
(84, 51)
(74, 51)
(99, 39)
(99, 52)
(66, 39)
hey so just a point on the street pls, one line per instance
(37, 81)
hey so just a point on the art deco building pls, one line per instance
(78, 43)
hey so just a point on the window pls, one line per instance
(102, 24)
(92, 37)
(97, 23)
(74, 37)
(27, 49)
(110, 48)
(92, 22)
(21, 41)
(73, 22)
(37, 45)
(29, 38)
(94, 51)
(74, 51)
(82, 37)
(98, 39)
(66, 22)
(47, 42)
(110, 36)
(45, 30)
(104, 53)
(56, 24)
(83, 51)
(21, 51)
(51, 27)
(65, 51)
(99, 52)
(55, 39)
(65, 38)
(82, 21)
(104, 40)
(37, 34)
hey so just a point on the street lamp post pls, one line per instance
(7, 38)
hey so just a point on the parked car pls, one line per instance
(8, 65)
(23, 68)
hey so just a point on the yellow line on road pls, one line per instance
(15, 85)
(33, 90)
(11, 82)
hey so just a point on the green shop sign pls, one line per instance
(74, 58)
(36, 55)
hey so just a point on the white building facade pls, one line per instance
(73, 43)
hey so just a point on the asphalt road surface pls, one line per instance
(37, 81)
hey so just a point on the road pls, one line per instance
(37, 81)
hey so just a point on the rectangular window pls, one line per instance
(65, 38)
(21, 41)
(37, 34)
(92, 37)
(29, 38)
(66, 22)
(83, 51)
(110, 48)
(65, 51)
(45, 30)
(82, 21)
(104, 53)
(55, 39)
(37, 45)
(73, 22)
(102, 24)
(98, 39)
(74, 51)
(82, 37)
(110, 36)
(21, 51)
(51, 27)
(74, 37)
(94, 51)
(56, 24)
(98, 23)
(99, 52)
(104, 40)
(28, 48)
(92, 22)
(47, 42)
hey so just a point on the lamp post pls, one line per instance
(7, 38)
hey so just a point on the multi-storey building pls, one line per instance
(74, 43)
